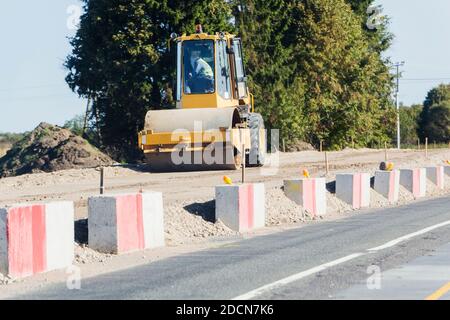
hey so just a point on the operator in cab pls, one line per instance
(201, 79)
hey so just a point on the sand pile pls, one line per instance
(5, 280)
(187, 221)
(84, 255)
(298, 145)
(281, 210)
(49, 148)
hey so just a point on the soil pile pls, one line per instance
(298, 145)
(50, 148)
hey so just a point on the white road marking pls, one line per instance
(257, 292)
(409, 236)
(298, 276)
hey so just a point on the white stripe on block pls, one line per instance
(423, 182)
(293, 189)
(102, 224)
(406, 179)
(321, 196)
(241, 207)
(365, 190)
(354, 189)
(387, 184)
(126, 222)
(436, 176)
(227, 205)
(153, 219)
(447, 170)
(344, 187)
(414, 180)
(60, 236)
(3, 242)
(259, 205)
(310, 193)
(36, 238)
(396, 187)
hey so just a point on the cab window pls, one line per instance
(223, 70)
(198, 61)
(241, 79)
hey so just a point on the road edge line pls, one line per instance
(298, 276)
(439, 292)
(409, 236)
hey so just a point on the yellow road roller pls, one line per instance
(214, 126)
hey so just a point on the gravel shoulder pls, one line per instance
(189, 217)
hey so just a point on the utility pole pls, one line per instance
(397, 65)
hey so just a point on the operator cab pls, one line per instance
(210, 71)
(198, 61)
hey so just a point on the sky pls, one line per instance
(34, 44)
(422, 41)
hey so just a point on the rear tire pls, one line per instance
(257, 154)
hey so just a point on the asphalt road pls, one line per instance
(321, 261)
(424, 277)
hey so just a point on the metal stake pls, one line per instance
(243, 163)
(102, 175)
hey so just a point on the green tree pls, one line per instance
(438, 126)
(348, 86)
(315, 72)
(120, 59)
(435, 105)
(75, 125)
(263, 26)
(379, 39)
(438, 95)
(409, 119)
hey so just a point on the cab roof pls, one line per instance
(205, 36)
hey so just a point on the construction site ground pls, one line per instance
(189, 202)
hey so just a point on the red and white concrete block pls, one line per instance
(126, 222)
(354, 189)
(310, 193)
(387, 184)
(436, 176)
(36, 238)
(415, 181)
(241, 207)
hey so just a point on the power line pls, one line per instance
(424, 79)
(397, 65)
(32, 87)
(50, 97)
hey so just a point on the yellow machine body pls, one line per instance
(209, 110)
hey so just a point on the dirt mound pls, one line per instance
(50, 148)
(298, 145)
(4, 147)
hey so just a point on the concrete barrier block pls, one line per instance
(387, 184)
(310, 193)
(436, 176)
(354, 189)
(36, 238)
(126, 222)
(415, 181)
(447, 170)
(241, 207)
